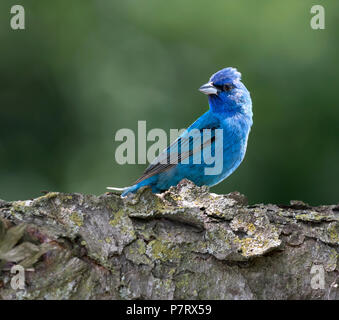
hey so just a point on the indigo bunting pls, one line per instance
(228, 120)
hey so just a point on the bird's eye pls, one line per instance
(227, 87)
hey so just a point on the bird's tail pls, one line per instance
(126, 190)
(117, 189)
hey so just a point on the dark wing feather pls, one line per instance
(162, 162)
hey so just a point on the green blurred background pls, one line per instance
(84, 69)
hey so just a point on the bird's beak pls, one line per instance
(208, 88)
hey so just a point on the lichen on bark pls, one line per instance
(186, 243)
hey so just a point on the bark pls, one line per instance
(186, 243)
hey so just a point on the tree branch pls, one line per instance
(184, 244)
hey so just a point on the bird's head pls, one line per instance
(226, 92)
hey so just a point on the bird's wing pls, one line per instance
(184, 142)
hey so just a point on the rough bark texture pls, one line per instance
(184, 244)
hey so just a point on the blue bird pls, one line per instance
(229, 120)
